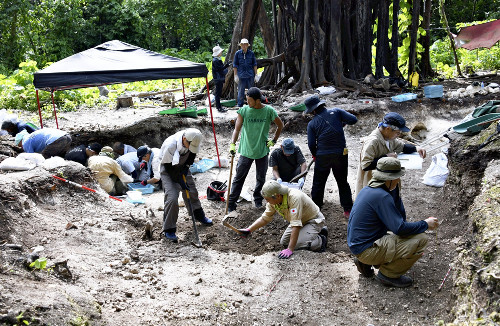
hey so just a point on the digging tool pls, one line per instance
(302, 174)
(229, 185)
(196, 240)
(226, 223)
(83, 187)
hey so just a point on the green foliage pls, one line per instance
(20, 319)
(40, 263)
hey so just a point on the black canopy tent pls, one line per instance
(116, 62)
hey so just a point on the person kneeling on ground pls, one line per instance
(108, 172)
(81, 153)
(307, 228)
(177, 154)
(149, 159)
(13, 128)
(377, 210)
(47, 141)
(287, 162)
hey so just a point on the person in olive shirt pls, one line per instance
(253, 122)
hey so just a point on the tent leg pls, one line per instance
(184, 93)
(212, 117)
(39, 109)
(54, 105)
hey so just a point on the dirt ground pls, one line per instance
(103, 271)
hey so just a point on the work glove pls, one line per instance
(279, 180)
(256, 79)
(301, 182)
(245, 233)
(144, 182)
(232, 148)
(270, 143)
(285, 254)
(142, 165)
(236, 79)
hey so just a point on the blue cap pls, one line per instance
(395, 120)
(312, 103)
(288, 146)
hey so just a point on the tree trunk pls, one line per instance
(363, 37)
(305, 63)
(319, 45)
(347, 45)
(382, 50)
(413, 37)
(394, 65)
(336, 67)
(452, 42)
(426, 68)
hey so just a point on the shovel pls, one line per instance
(302, 174)
(196, 240)
(229, 184)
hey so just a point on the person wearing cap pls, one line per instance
(108, 172)
(177, 153)
(219, 71)
(47, 141)
(13, 128)
(287, 161)
(253, 122)
(81, 153)
(326, 141)
(149, 167)
(245, 69)
(383, 142)
(121, 149)
(307, 228)
(377, 210)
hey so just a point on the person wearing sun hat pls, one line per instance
(177, 154)
(245, 69)
(383, 142)
(377, 210)
(307, 228)
(219, 71)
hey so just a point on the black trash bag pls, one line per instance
(216, 191)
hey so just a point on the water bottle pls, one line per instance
(482, 85)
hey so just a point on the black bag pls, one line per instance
(216, 191)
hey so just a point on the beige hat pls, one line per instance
(216, 51)
(388, 168)
(244, 41)
(193, 136)
(273, 187)
(107, 151)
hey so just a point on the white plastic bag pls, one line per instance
(36, 158)
(17, 164)
(437, 173)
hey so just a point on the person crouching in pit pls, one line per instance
(307, 228)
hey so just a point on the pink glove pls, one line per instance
(144, 182)
(285, 254)
(142, 166)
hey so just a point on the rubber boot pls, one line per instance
(199, 215)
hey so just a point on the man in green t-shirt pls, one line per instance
(253, 122)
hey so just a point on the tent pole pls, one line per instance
(54, 105)
(39, 109)
(184, 92)
(212, 117)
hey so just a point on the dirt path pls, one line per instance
(118, 278)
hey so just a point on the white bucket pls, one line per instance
(134, 195)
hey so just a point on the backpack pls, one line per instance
(216, 191)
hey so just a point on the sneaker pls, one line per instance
(324, 242)
(364, 269)
(347, 214)
(171, 236)
(204, 220)
(231, 207)
(400, 282)
(222, 110)
(257, 204)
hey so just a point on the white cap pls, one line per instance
(244, 41)
(193, 136)
(216, 51)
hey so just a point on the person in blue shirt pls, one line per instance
(13, 128)
(245, 69)
(47, 141)
(219, 71)
(377, 210)
(326, 141)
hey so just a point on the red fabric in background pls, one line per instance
(479, 36)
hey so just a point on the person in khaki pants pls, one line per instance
(377, 210)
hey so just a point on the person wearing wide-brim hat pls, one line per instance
(377, 210)
(219, 71)
(307, 228)
(326, 141)
(383, 142)
(245, 69)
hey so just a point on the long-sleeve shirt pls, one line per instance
(245, 63)
(325, 133)
(39, 139)
(375, 212)
(219, 71)
(128, 162)
(104, 167)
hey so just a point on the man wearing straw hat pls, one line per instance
(307, 228)
(245, 69)
(377, 210)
